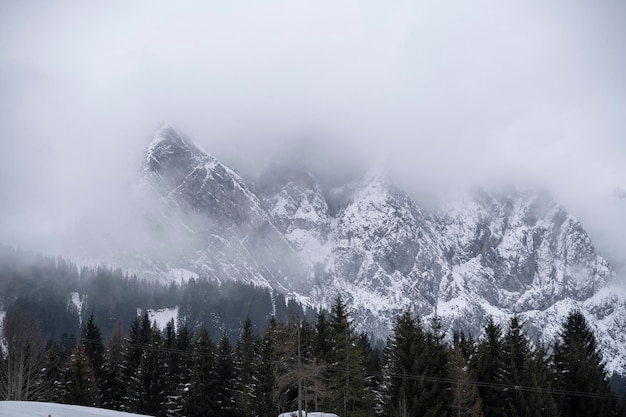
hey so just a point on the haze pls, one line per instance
(445, 92)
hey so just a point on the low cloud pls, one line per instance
(444, 92)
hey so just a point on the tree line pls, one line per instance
(318, 365)
(44, 286)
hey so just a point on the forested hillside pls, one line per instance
(62, 296)
(280, 359)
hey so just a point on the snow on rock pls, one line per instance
(76, 302)
(162, 316)
(41, 409)
(466, 257)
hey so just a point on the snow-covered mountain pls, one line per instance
(223, 229)
(465, 257)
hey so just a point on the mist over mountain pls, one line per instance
(465, 255)
(456, 158)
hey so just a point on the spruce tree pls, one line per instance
(465, 396)
(115, 386)
(178, 359)
(519, 375)
(487, 367)
(201, 399)
(269, 351)
(149, 385)
(54, 375)
(94, 348)
(171, 357)
(402, 368)
(322, 344)
(436, 389)
(579, 372)
(247, 364)
(80, 379)
(143, 369)
(347, 389)
(225, 369)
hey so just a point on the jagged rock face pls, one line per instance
(170, 158)
(531, 252)
(469, 257)
(234, 239)
(295, 203)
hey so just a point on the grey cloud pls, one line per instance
(444, 91)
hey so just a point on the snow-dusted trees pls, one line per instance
(415, 370)
(22, 367)
(95, 351)
(201, 398)
(348, 394)
(465, 398)
(327, 367)
(225, 369)
(487, 365)
(247, 365)
(513, 374)
(403, 364)
(525, 388)
(579, 372)
(80, 379)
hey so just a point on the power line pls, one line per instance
(425, 378)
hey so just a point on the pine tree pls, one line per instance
(94, 348)
(402, 367)
(437, 391)
(322, 344)
(519, 374)
(348, 394)
(143, 369)
(149, 385)
(225, 369)
(178, 363)
(126, 369)
(201, 398)
(580, 373)
(247, 363)
(465, 396)
(269, 350)
(80, 379)
(54, 375)
(487, 368)
(115, 386)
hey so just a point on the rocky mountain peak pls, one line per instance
(170, 156)
(469, 256)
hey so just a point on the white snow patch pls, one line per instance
(77, 301)
(180, 275)
(162, 316)
(305, 414)
(36, 409)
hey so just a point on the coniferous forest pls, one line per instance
(281, 358)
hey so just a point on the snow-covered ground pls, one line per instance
(77, 301)
(162, 316)
(36, 409)
(305, 414)
(181, 276)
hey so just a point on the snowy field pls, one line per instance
(305, 414)
(35, 409)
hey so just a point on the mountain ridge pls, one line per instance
(473, 255)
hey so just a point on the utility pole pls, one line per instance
(299, 374)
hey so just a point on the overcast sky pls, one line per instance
(442, 90)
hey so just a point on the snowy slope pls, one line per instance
(223, 231)
(37, 409)
(466, 257)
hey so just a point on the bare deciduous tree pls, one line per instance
(22, 368)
